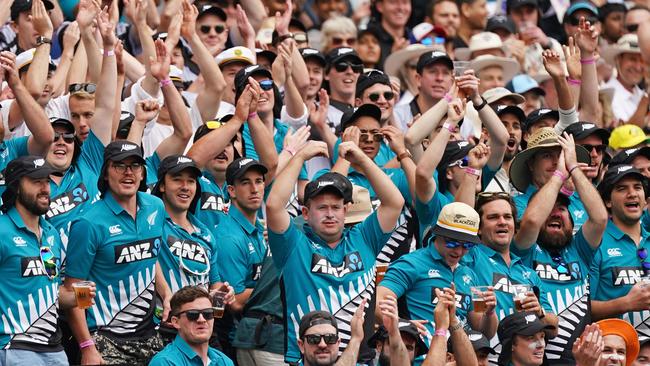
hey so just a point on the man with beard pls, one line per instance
(30, 265)
(512, 118)
(192, 315)
(595, 141)
(545, 242)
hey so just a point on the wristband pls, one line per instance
(252, 115)
(404, 155)
(572, 169)
(448, 98)
(109, 53)
(441, 333)
(86, 344)
(560, 175)
(291, 151)
(165, 82)
(587, 61)
(472, 171)
(456, 327)
(566, 192)
(449, 127)
(573, 81)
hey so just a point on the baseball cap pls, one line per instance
(514, 4)
(538, 114)
(118, 151)
(626, 331)
(500, 22)
(581, 130)
(239, 167)
(581, 5)
(519, 323)
(340, 54)
(405, 327)
(614, 174)
(126, 120)
(62, 122)
(25, 58)
(176, 76)
(627, 135)
(361, 206)
(627, 156)
(175, 164)
(368, 110)
(479, 342)
(214, 10)
(370, 78)
(312, 53)
(454, 151)
(315, 318)
(498, 93)
(235, 54)
(432, 57)
(241, 78)
(20, 6)
(523, 83)
(268, 54)
(459, 221)
(512, 109)
(31, 166)
(332, 182)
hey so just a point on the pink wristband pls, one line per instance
(587, 61)
(448, 97)
(291, 151)
(441, 332)
(566, 192)
(560, 175)
(165, 82)
(473, 171)
(573, 81)
(86, 344)
(109, 53)
(252, 115)
(447, 126)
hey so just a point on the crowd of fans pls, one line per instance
(325, 182)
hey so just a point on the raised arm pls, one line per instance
(149, 83)
(399, 355)
(572, 60)
(351, 354)
(145, 110)
(390, 197)
(87, 12)
(477, 158)
(396, 142)
(437, 354)
(262, 137)
(58, 82)
(36, 77)
(282, 72)
(121, 78)
(427, 123)
(318, 119)
(293, 142)
(554, 67)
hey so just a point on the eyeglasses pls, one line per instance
(343, 66)
(266, 84)
(451, 244)
(49, 262)
(366, 135)
(388, 95)
(314, 339)
(193, 314)
(186, 268)
(575, 21)
(599, 148)
(121, 167)
(462, 163)
(632, 28)
(89, 88)
(432, 40)
(336, 41)
(642, 253)
(300, 37)
(68, 138)
(205, 29)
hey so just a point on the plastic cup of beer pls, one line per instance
(478, 299)
(519, 294)
(381, 272)
(219, 303)
(82, 294)
(460, 67)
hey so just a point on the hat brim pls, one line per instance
(356, 217)
(366, 110)
(610, 53)
(513, 109)
(530, 123)
(516, 98)
(325, 189)
(350, 56)
(44, 173)
(257, 167)
(60, 122)
(216, 11)
(230, 60)
(464, 53)
(608, 185)
(626, 331)
(398, 60)
(520, 174)
(602, 133)
(633, 142)
(456, 235)
(510, 67)
(125, 155)
(317, 57)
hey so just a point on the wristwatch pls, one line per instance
(404, 155)
(42, 40)
(480, 106)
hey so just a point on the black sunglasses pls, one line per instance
(89, 88)
(342, 66)
(642, 253)
(575, 21)
(599, 148)
(68, 138)
(375, 96)
(314, 339)
(205, 29)
(193, 314)
(632, 28)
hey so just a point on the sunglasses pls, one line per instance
(462, 163)
(189, 270)
(193, 314)
(599, 148)
(68, 138)
(642, 253)
(429, 41)
(632, 28)
(455, 244)
(314, 339)
(121, 167)
(574, 21)
(343, 66)
(366, 135)
(49, 262)
(266, 84)
(336, 41)
(77, 88)
(389, 95)
(205, 29)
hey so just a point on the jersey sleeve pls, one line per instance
(400, 277)
(428, 212)
(372, 233)
(594, 278)
(525, 255)
(18, 147)
(92, 153)
(282, 245)
(232, 263)
(585, 251)
(543, 297)
(487, 175)
(82, 247)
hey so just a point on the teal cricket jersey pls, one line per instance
(416, 276)
(214, 202)
(317, 277)
(576, 208)
(242, 250)
(179, 353)
(492, 270)
(119, 254)
(616, 268)
(188, 259)
(384, 154)
(152, 163)
(29, 298)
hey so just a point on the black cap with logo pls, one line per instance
(330, 182)
(312, 53)
(315, 318)
(370, 78)
(519, 323)
(214, 10)
(500, 21)
(342, 54)
(239, 167)
(31, 166)
(19, 6)
(515, 4)
(118, 151)
(581, 130)
(536, 115)
(432, 57)
(365, 110)
(614, 174)
(174, 164)
(510, 109)
(627, 156)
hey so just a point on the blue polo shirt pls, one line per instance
(616, 268)
(576, 208)
(384, 154)
(119, 254)
(418, 274)
(492, 270)
(29, 298)
(214, 202)
(179, 353)
(241, 249)
(317, 277)
(427, 214)
(188, 259)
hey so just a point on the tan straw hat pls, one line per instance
(361, 206)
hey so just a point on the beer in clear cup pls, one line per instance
(478, 298)
(82, 294)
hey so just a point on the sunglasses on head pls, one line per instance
(388, 95)
(336, 41)
(462, 163)
(642, 253)
(343, 66)
(68, 138)
(451, 244)
(266, 84)
(632, 28)
(89, 88)
(599, 148)
(49, 262)
(314, 339)
(575, 21)
(193, 314)
(205, 29)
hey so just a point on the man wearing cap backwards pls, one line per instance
(545, 242)
(595, 141)
(620, 343)
(438, 266)
(325, 256)
(616, 285)
(30, 265)
(523, 338)
(116, 244)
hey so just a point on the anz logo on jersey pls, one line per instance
(213, 202)
(136, 251)
(624, 276)
(67, 201)
(463, 301)
(188, 249)
(351, 263)
(32, 267)
(560, 273)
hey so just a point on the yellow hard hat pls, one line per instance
(626, 136)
